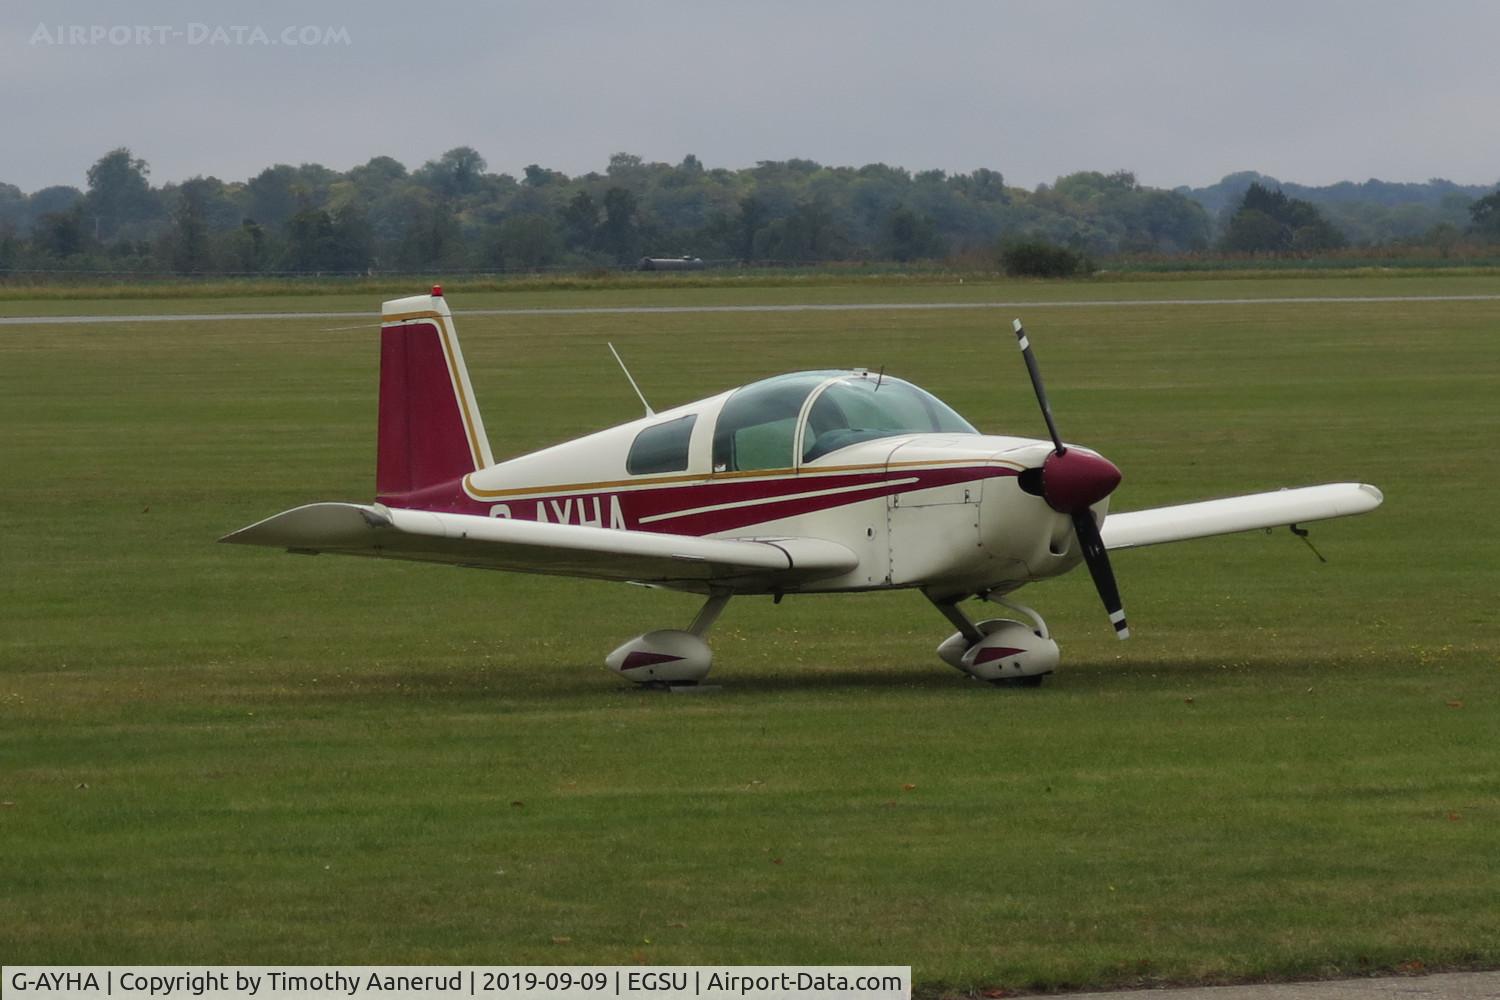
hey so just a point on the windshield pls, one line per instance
(865, 407)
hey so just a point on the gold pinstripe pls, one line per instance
(480, 494)
(446, 332)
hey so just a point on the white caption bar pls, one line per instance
(423, 982)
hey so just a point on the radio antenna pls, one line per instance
(639, 395)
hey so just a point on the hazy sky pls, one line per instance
(1180, 92)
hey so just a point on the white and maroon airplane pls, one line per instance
(812, 482)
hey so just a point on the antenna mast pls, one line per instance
(639, 395)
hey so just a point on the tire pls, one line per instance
(1033, 681)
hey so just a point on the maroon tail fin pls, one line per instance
(430, 431)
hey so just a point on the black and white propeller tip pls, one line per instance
(1036, 384)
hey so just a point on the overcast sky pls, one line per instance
(1312, 91)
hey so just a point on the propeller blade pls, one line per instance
(1097, 558)
(1036, 383)
(1071, 483)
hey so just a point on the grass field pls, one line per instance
(209, 754)
(816, 287)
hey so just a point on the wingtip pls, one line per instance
(1016, 325)
(1373, 492)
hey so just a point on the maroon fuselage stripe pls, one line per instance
(676, 509)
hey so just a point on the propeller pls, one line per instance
(1072, 482)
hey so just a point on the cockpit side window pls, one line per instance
(757, 427)
(662, 448)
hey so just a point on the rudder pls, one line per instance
(430, 431)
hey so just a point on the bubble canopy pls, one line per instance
(763, 424)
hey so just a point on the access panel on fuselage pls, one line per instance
(932, 524)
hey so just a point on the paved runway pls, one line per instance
(1441, 986)
(802, 307)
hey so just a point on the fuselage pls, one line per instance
(865, 460)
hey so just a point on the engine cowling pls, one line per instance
(1008, 649)
(666, 656)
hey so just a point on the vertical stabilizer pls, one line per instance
(430, 431)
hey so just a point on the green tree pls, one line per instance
(188, 237)
(10, 247)
(432, 237)
(48, 200)
(1268, 221)
(61, 234)
(540, 177)
(911, 237)
(455, 174)
(982, 186)
(376, 178)
(810, 233)
(119, 193)
(580, 221)
(1484, 217)
(318, 240)
(12, 207)
(626, 168)
(1253, 231)
(310, 240)
(272, 195)
(620, 233)
(352, 247)
(528, 241)
(219, 205)
(247, 248)
(753, 214)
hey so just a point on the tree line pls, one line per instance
(452, 214)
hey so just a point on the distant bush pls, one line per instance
(1040, 259)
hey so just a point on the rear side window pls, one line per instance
(663, 448)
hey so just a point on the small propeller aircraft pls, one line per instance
(811, 482)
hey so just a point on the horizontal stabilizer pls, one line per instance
(1244, 513)
(532, 547)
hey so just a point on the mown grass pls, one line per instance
(212, 754)
(675, 291)
(63, 295)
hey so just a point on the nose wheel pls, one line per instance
(1003, 651)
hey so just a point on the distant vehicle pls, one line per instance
(670, 264)
(817, 481)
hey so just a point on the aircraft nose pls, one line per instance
(1075, 480)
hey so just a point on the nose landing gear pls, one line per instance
(1002, 651)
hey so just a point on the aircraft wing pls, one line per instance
(1245, 513)
(682, 561)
